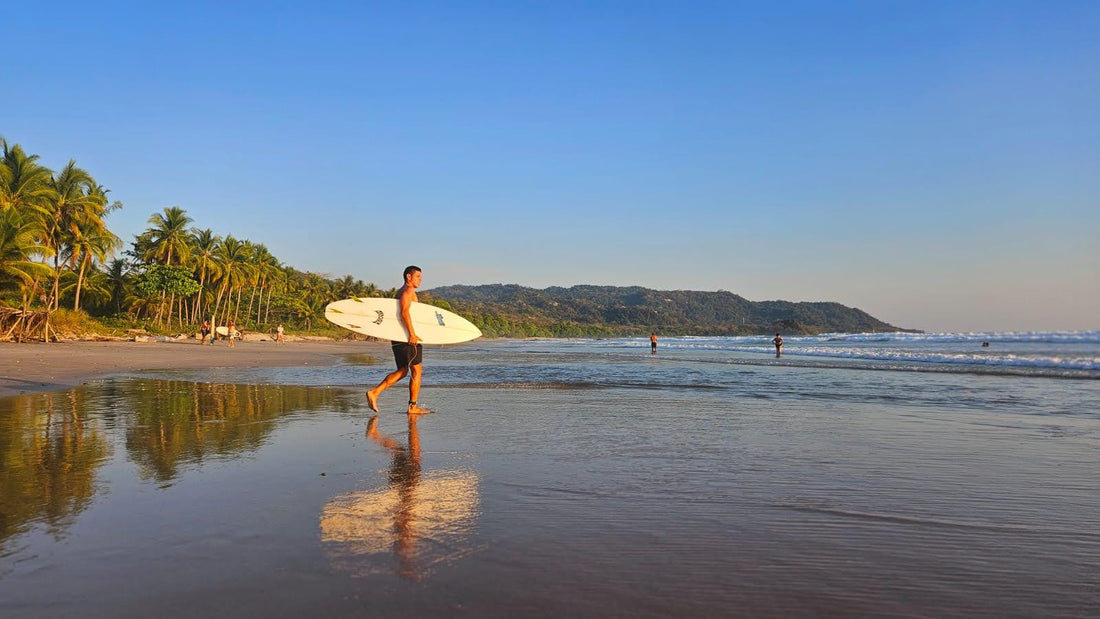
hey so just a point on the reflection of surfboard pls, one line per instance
(424, 522)
(380, 318)
(224, 332)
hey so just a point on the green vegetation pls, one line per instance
(56, 250)
(608, 311)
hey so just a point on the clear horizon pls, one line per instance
(936, 165)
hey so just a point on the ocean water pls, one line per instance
(883, 475)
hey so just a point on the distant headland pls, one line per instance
(509, 310)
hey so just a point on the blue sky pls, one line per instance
(935, 164)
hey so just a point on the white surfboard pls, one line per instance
(381, 318)
(224, 331)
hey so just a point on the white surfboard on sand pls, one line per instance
(380, 318)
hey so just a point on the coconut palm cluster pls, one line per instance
(57, 253)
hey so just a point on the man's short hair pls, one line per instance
(408, 270)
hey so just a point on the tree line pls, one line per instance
(56, 252)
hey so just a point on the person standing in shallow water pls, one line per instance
(652, 343)
(778, 341)
(407, 355)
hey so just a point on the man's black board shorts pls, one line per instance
(406, 355)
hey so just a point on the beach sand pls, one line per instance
(32, 367)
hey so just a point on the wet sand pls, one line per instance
(554, 479)
(35, 367)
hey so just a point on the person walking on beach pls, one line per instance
(232, 333)
(408, 355)
(279, 334)
(778, 341)
(652, 343)
(204, 330)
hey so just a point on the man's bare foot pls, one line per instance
(372, 401)
(416, 410)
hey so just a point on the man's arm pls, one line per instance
(406, 303)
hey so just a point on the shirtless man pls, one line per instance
(408, 356)
(778, 341)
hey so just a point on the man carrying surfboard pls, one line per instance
(407, 355)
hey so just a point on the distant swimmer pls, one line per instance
(985, 344)
(408, 355)
(652, 343)
(778, 341)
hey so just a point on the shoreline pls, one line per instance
(31, 367)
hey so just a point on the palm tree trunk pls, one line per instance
(260, 305)
(80, 282)
(251, 298)
(237, 308)
(52, 305)
(267, 310)
(197, 311)
(218, 303)
(168, 321)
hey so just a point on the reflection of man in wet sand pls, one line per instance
(420, 517)
(408, 356)
(778, 341)
(404, 478)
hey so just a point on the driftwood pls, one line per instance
(17, 325)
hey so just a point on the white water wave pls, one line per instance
(1009, 360)
(1053, 337)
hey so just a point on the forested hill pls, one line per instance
(511, 310)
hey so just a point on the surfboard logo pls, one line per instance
(378, 320)
(439, 317)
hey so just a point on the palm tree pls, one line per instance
(231, 255)
(23, 182)
(97, 287)
(265, 266)
(89, 245)
(262, 261)
(344, 288)
(167, 239)
(117, 281)
(203, 245)
(70, 203)
(18, 242)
